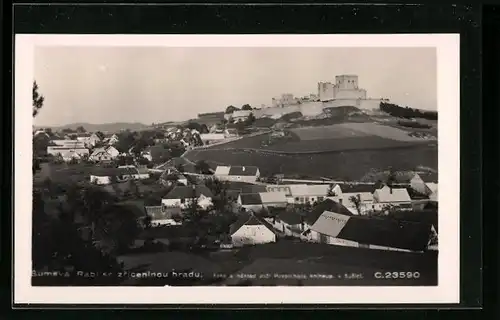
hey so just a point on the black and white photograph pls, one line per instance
(307, 167)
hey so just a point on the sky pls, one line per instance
(158, 84)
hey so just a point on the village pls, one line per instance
(134, 194)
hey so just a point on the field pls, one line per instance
(348, 130)
(291, 257)
(345, 165)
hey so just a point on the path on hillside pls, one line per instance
(209, 147)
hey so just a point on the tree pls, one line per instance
(331, 191)
(391, 178)
(204, 128)
(246, 107)
(202, 167)
(231, 109)
(38, 99)
(356, 200)
(250, 120)
(80, 129)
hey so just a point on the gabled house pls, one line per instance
(289, 222)
(240, 115)
(113, 140)
(370, 233)
(302, 193)
(258, 201)
(103, 176)
(237, 173)
(183, 196)
(392, 197)
(104, 154)
(210, 138)
(163, 216)
(230, 133)
(89, 139)
(251, 230)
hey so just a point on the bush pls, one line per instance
(411, 124)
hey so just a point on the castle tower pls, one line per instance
(347, 82)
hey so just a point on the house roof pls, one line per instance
(423, 216)
(105, 172)
(243, 171)
(327, 205)
(212, 136)
(351, 188)
(363, 196)
(248, 219)
(428, 176)
(387, 194)
(290, 217)
(250, 198)
(241, 113)
(160, 212)
(309, 190)
(169, 232)
(432, 186)
(186, 192)
(376, 231)
(279, 188)
(273, 197)
(222, 170)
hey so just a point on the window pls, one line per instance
(183, 200)
(307, 198)
(297, 199)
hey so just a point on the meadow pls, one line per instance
(343, 165)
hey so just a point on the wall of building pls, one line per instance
(254, 234)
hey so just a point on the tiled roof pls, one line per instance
(250, 198)
(246, 218)
(351, 188)
(186, 192)
(327, 205)
(387, 194)
(243, 171)
(375, 231)
(290, 217)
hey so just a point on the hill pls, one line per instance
(104, 127)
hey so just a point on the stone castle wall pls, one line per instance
(314, 108)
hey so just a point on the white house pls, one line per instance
(74, 144)
(301, 193)
(240, 115)
(67, 152)
(258, 201)
(251, 230)
(182, 196)
(163, 216)
(104, 176)
(113, 139)
(248, 174)
(392, 197)
(90, 140)
(369, 233)
(365, 199)
(288, 222)
(104, 154)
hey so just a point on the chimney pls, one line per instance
(390, 188)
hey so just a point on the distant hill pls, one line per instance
(104, 127)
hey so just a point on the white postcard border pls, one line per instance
(448, 62)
